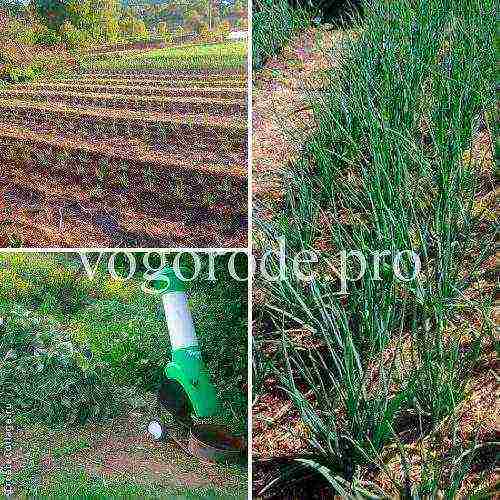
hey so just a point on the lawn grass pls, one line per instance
(78, 484)
(400, 160)
(229, 55)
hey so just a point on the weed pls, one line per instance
(102, 169)
(70, 448)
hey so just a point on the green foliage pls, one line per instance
(385, 170)
(30, 34)
(81, 21)
(74, 349)
(12, 7)
(74, 38)
(222, 55)
(52, 12)
(82, 486)
(21, 32)
(18, 74)
(273, 24)
(59, 384)
(70, 447)
(134, 29)
(164, 32)
(46, 36)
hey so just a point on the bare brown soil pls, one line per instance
(180, 104)
(281, 118)
(109, 169)
(119, 449)
(140, 90)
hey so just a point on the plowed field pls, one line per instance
(142, 158)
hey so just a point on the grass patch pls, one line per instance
(81, 485)
(70, 447)
(230, 55)
(274, 22)
(390, 167)
(85, 350)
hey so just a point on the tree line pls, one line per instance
(87, 22)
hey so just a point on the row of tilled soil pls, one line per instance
(153, 81)
(205, 154)
(134, 198)
(202, 74)
(229, 92)
(178, 105)
(125, 125)
(47, 149)
(45, 210)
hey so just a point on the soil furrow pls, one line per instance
(155, 82)
(186, 105)
(173, 142)
(121, 133)
(64, 212)
(105, 123)
(236, 125)
(49, 144)
(153, 90)
(173, 74)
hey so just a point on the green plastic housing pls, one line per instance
(188, 369)
(167, 281)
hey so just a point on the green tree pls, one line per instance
(133, 28)
(164, 32)
(53, 13)
(109, 20)
(99, 18)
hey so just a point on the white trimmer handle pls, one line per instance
(179, 320)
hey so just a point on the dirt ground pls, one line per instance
(118, 450)
(280, 96)
(86, 169)
(281, 120)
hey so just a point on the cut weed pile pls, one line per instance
(76, 352)
(386, 389)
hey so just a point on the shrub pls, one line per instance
(19, 74)
(74, 38)
(46, 36)
(164, 33)
(89, 342)
(46, 378)
(21, 32)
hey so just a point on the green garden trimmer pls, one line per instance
(186, 389)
